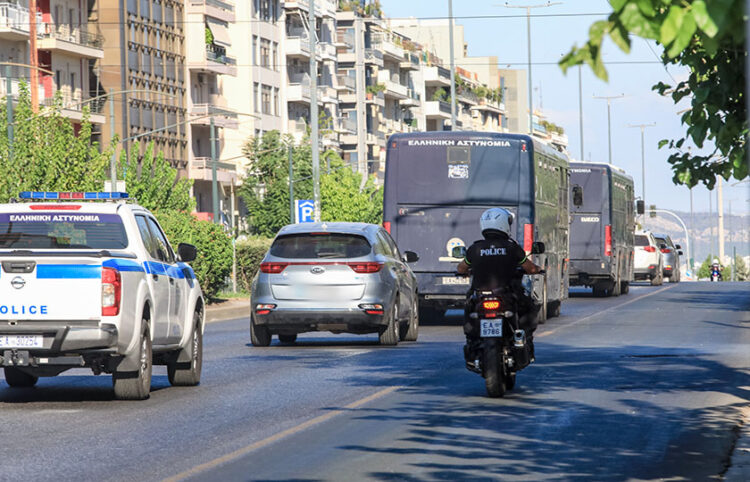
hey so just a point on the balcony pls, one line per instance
(298, 90)
(219, 9)
(222, 116)
(297, 126)
(373, 56)
(376, 138)
(14, 22)
(377, 98)
(410, 61)
(72, 106)
(297, 44)
(215, 60)
(323, 8)
(346, 125)
(390, 48)
(200, 170)
(489, 106)
(345, 83)
(468, 97)
(436, 76)
(347, 97)
(77, 41)
(393, 88)
(437, 109)
(413, 99)
(344, 40)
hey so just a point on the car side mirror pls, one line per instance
(679, 252)
(187, 252)
(410, 257)
(458, 252)
(678, 246)
(577, 196)
(537, 248)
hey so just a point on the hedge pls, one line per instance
(214, 261)
(250, 253)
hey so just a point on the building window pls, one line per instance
(265, 10)
(276, 110)
(265, 53)
(275, 56)
(256, 95)
(58, 79)
(266, 100)
(254, 47)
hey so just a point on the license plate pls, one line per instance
(455, 280)
(21, 341)
(491, 328)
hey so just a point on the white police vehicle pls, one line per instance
(90, 280)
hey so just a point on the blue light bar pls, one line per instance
(72, 196)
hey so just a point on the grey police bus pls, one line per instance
(602, 226)
(437, 184)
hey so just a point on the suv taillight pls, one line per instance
(649, 249)
(666, 250)
(365, 267)
(111, 292)
(273, 268)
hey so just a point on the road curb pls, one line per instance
(228, 310)
(739, 467)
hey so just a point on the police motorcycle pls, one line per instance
(716, 271)
(503, 348)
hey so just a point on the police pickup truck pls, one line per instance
(90, 280)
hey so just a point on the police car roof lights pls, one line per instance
(62, 195)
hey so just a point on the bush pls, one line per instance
(214, 261)
(249, 255)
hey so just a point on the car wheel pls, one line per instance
(599, 291)
(129, 385)
(18, 379)
(389, 335)
(259, 334)
(288, 338)
(657, 280)
(411, 331)
(186, 369)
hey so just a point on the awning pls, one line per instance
(220, 32)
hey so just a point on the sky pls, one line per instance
(557, 94)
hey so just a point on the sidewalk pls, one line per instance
(228, 310)
(739, 468)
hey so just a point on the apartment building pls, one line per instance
(209, 66)
(144, 65)
(67, 48)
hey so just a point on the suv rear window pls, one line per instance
(323, 245)
(641, 240)
(56, 230)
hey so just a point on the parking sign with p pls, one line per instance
(304, 210)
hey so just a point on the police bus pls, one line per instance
(602, 225)
(437, 184)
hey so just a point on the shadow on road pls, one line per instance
(71, 388)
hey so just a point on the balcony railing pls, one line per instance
(345, 38)
(17, 17)
(215, 53)
(229, 7)
(74, 103)
(210, 109)
(346, 81)
(373, 55)
(76, 35)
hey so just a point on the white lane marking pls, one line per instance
(611, 308)
(273, 438)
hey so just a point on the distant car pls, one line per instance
(337, 277)
(648, 261)
(670, 257)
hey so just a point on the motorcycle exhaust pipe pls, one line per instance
(519, 338)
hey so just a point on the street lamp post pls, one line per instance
(528, 43)
(314, 112)
(643, 157)
(453, 65)
(609, 120)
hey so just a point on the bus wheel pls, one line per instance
(542, 317)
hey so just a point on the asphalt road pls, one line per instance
(644, 386)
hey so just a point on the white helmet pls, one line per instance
(498, 219)
(716, 261)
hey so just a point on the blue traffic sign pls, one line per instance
(304, 210)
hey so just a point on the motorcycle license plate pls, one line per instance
(491, 328)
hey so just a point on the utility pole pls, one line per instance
(9, 108)
(734, 253)
(692, 226)
(720, 208)
(580, 108)
(609, 119)
(453, 65)
(291, 184)
(214, 181)
(528, 43)
(33, 57)
(113, 159)
(711, 222)
(314, 111)
(643, 158)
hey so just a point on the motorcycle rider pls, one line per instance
(493, 262)
(716, 267)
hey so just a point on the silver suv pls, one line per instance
(670, 254)
(337, 277)
(90, 280)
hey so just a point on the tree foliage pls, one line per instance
(48, 153)
(153, 182)
(266, 187)
(707, 37)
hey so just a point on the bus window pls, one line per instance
(577, 195)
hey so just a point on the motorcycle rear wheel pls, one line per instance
(494, 373)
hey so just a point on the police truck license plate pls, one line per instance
(455, 280)
(21, 341)
(491, 328)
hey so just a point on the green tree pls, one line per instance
(153, 182)
(740, 268)
(48, 153)
(341, 199)
(707, 37)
